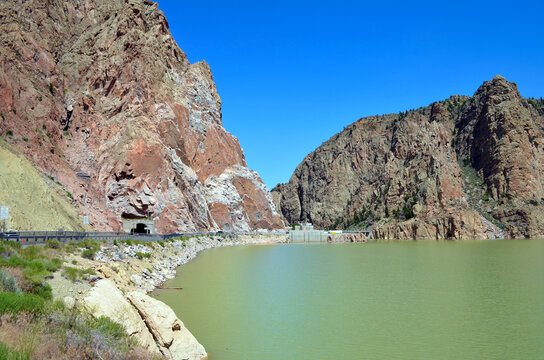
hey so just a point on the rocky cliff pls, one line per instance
(98, 95)
(466, 167)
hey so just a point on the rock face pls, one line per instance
(97, 94)
(459, 168)
(106, 299)
(149, 321)
(174, 340)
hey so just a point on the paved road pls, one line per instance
(40, 237)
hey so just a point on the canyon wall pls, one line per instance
(466, 167)
(98, 96)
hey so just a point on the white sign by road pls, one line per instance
(4, 212)
(85, 220)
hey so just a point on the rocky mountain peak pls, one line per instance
(465, 167)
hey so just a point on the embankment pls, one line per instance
(35, 201)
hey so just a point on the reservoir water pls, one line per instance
(379, 300)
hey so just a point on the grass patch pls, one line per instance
(13, 303)
(8, 354)
(75, 274)
(109, 327)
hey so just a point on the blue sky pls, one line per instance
(291, 74)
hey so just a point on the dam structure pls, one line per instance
(305, 233)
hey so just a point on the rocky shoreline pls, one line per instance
(127, 272)
(146, 273)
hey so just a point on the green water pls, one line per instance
(383, 300)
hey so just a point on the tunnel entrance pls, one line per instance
(139, 226)
(140, 229)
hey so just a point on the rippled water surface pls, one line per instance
(382, 300)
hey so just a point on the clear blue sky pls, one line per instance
(293, 73)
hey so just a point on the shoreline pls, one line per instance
(145, 266)
(127, 272)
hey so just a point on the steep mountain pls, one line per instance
(466, 167)
(98, 95)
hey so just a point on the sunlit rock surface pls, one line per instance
(100, 90)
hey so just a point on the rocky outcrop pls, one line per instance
(348, 237)
(97, 94)
(457, 169)
(152, 323)
(105, 299)
(174, 340)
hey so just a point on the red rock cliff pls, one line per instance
(100, 88)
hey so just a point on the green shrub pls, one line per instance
(71, 247)
(15, 245)
(408, 211)
(128, 242)
(9, 133)
(88, 254)
(44, 291)
(90, 244)
(34, 276)
(533, 202)
(161, 243)
(75, 273)
(74, 262)
(57, 262)
(115, 243)
(31, 252)
(53, 244)
(141, 255)
(150, 245)
(88, 271)
(36, 264)
(13, 303)
(8, 282)
(71, 273)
